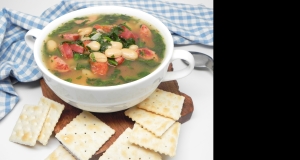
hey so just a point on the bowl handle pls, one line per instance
(180, 54)
(29, 37)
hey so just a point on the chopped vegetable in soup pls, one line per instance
(103, 50)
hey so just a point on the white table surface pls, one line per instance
(196, 135)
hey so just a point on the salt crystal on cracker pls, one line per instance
(60, 153)
(51, 119)
(29, 124)
(154, 123)
(166, 144)
(84, 135)
(122, 149)
(164, 103)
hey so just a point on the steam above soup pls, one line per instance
(103, 50)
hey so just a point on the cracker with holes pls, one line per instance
(164, 103)
(166, 144)
(60, 153)
(84, 135)
(122, 149)
(29, 124)
(154, 123)
(51, 119)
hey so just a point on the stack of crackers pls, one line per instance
(156, 125)
(154, 132)
(36, 122)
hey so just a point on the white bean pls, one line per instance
(85, 31)
(133, 47)
(129, 54)
(83, 38)
(117, 45)
(51, 45)
(98, 56)
(94, 45)
(113, 53)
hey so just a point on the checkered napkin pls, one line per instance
(188, 24)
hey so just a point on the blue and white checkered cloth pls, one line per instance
(189, 24)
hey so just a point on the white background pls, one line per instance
(196, 136)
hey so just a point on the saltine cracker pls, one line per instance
(122, 149)
(60, 153)
(84, 135)
(154, 123)
(163, 103)
(166, 144)
(29, 124)
(51, 119)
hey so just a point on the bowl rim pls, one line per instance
(163, 30)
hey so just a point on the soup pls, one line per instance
(103, 50)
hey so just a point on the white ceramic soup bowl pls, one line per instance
(109, 98)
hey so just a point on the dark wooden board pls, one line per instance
(116, 120)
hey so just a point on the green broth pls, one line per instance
(80, 66)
